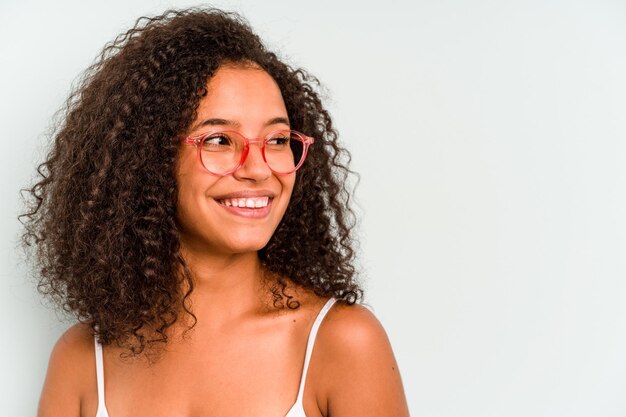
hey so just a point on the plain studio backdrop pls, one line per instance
(489, 136)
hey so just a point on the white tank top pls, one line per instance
(297, 410)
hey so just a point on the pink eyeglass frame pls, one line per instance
(197, 141)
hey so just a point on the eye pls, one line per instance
(217, 142)
(279, 140)
(218, 139)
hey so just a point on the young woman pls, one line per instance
(192, 215)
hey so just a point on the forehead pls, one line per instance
(242, 92)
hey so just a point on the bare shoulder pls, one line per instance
(77, 339)
(353, 333)
(70, 373)
(353, 323)
(359, 374)
(74, 348)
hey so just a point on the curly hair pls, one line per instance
(101, 217)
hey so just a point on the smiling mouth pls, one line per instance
(248, 202)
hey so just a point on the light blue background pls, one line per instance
(490, 140)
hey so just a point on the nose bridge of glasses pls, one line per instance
(249, 150)
(258, 141)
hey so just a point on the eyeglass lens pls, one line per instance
(221, 152)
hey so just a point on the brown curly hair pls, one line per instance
(102, 213)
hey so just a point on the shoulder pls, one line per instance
(359, 374)
(353, 322)
(75, 346)
(71, 373)
(350, 330)
(75, 339)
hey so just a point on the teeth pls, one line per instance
(258, 202)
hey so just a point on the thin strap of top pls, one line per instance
(99, 374)
(307, 359)
(311, 342)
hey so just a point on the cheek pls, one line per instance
(289, 181)
(288, 185)
(192, 184)
(287, 191)
(184, 182)
(186, 207)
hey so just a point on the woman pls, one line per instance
(192, 215)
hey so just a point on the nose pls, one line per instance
(254, 166)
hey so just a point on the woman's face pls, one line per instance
(246, 100)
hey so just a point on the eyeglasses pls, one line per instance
(224, 152)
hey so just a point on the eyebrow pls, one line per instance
(235, 124)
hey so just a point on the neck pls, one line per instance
(226, 287)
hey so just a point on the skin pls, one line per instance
(243, 358)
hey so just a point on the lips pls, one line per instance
(251, 204)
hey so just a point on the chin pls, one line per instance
(245, 245)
